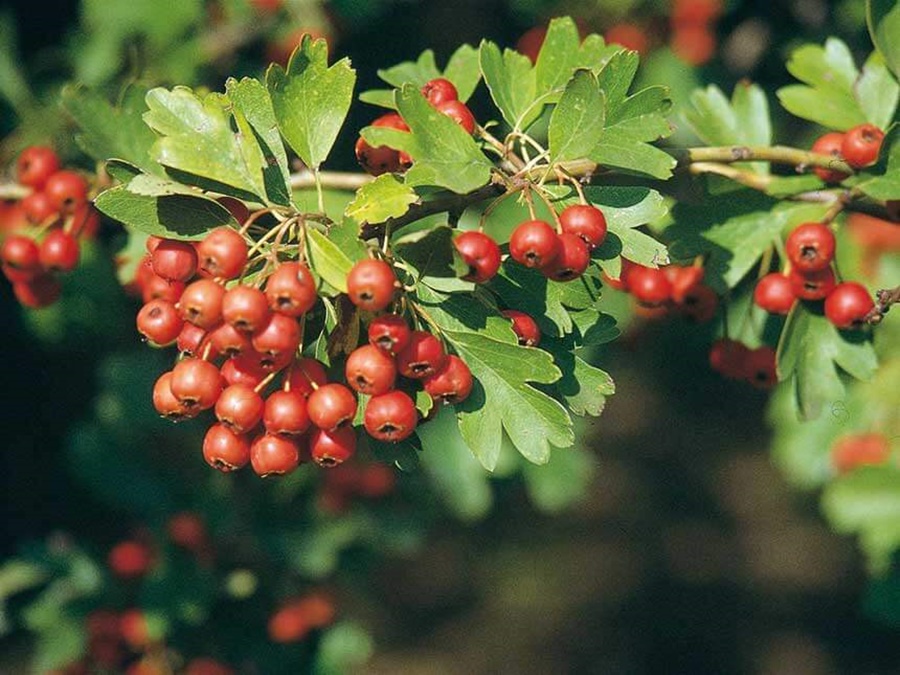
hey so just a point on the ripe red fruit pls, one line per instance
(222, 253)
(236, 208)
(244, 369)
(134, 629)
(229, 341)
(525, 327)
(330, 448)
(813, 285)
(190, 341)
(695, 12)
(810, 247)
(174, 260)
(288, 624)
(164, 400)
(41, 291)
(187, 530)
(377, 161)
(649, 285)
(850, 452)
(422, 357)
(291, 289)
(439, 90)
(693, 44)
(331, 405)
(391, 417)
(274, 455)
(584, 221)
(21, 258)
(573, 259)
(829, 144)
(370, 284)
(861, 145)
(306, 375)
(847, 305)
(278, 338)
(389, 332)
(35, 165)
(246, 308)
(627, 35)
(158, 321)
(286, 413)
(481, 253)
(534, 244)
(59, 251)
(225, 450)
(684, 281)
(38, 207)
(156, 287)
(66, 190)
(774, 294)
(730, 358)
(453, 384)
(201, 303)
(196, 383)
(761, 368)
(700, 303)
(85, 221)
(459, 112)
(129, 559)
(240, 408)
(370, 371)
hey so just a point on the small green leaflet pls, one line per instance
(311, 100)
(431, 252)
(511, 81)
(886, 186)
(883, 17)
(878, 92)
(811, 350)
(577, 121)
(328, 260)
(384, 198)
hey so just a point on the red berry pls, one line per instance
(459, 112)
(812, 285)
(134, 629)
(288, 624)
(201, 303)
(649, 285)
(164, 400)
(422, 357)
(246, 308)
(190, 341)
(534, 244)
(439, 90)
(861, 145)
(627, 35)
(684, 281)
(389, 332)
(187, 530)
(244, 369)
(174, 260)
(774, 294)
(222, 253)
(761, 371)
(370, 284)
(730, 358)
(573, 259)
(274, 455)
(850, 452)
(847, 305)
(370, 371)
(291, 289)
(35, 165)
(229, 341)
(278, 338)
(525, 328)
(236, 208)
(700, 304)
(480, 253)
(225, 450)
(66, 190)
(391, 120)
(158, 321)
(585, 221)
(196, 383)
(453, 384)
(21, 258)
(376, 161)
(810, 247)
(59, 251)
(391, 417)
(85, 221)
(38, 207)
(129, 559)
(286, 413)
(829, 144)
(156, 287)
(331, 405)
(306, 375)
(240, 408)
(330, 448)
(695, 12)
(694, 45)
(41, 291)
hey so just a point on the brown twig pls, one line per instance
(778, 154)
(883, 301)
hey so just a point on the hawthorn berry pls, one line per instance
(278, 338)
(422, 357)
(649, 285)
(812, 285)
(370, 371)
(225, 450)
(35, 165)
(222, 253)
(370, 284)
(174, 260)
(39, 208)
(699, 304)
(730, 358)
(331, 405)
(391, 120)
(459, 112)
(291, 289)
(196, 383)
(571, 262)
(135, 629)
(236, 208)
(286, 414)
(391, 417)
(481, 253)
(288, 624)
(38, 292)
(848, 304)
(229, 341)
(810, 247)
(159, 323)
(190, 340)
(389, 332)
(627, 35)
(774, 293)
(524, 326)
(683, 280)
(585, 221)
(66, 190)
(330, 448)
(378, 160)
(246, 308)
(187, 530)
(274, 455)
(453, 384)
(306, 375)
(760, 366)
(829, 144)
(85, 221)
(155, 286)
(861, 145)
(439, 90)
(21, 258)
(164, 401)
(59, 251)
(244, 369)
(854, 450)
(129, 559)
(695, 12)
(201, 303)
(239, 407)
(534, 244)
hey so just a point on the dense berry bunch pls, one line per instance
(658, 291)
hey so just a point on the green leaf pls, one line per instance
(107, 132)
(431, 252)
(464, 71)
(512, 83)
(468, 312)
(559, 55)
(878, 92)
(886, 186)
(883, 18)
(576, 124)
(416, 72)
(444, 154)
(384, 198)
(523, 289)
(60, 645)
(328, 260)
(311, 99)
(19, 575)
(811, 350)
(563, 482)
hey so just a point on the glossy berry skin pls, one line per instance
(291, 289)
(245, 308)
(331, 406)
(222, 253)
(761, 371)
(225, 450)
(164, 401)
(810, 247)
(85, 221)
(279, 338)
(244, 369)
(240, 408)
(330, 448)
(196, 383)
(573, 259)
(38, 207)
(439, 90)
(41, 291)
(730, 358)
(847, 305)
(129, 559)
(155, 286)
(378, 160)
(649, 286)
(306, 375)
(861, 145)
(190, 340)
(389, 332)
(228, 341)
(855, 450)
(59, 252)
(391, 417)
(274, 455)
(829, 144)
(699, 304)
(525, 327)
(774, 293)
(812, 286)
(35, 165)
(459, 112)
(370, 371)
(286, 413)
(391, 120)
(159, 323)
(683, 280)
(453, 384)
(585, 221)
(174, 260)
(21, 258)
(370, 284)
(66, 190)
(201, 303)
(534, 244)
(481, 253)
(422, 357)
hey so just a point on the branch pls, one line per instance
(779, 154)
(13, 191)
(334, 180)
(883, 301)
(750, 179)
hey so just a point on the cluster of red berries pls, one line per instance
(55, 213)
(810, 250)
(442, 95)
(855, 450)
(660, 290)
(737, 361)
(859, 147)
(294, 620)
